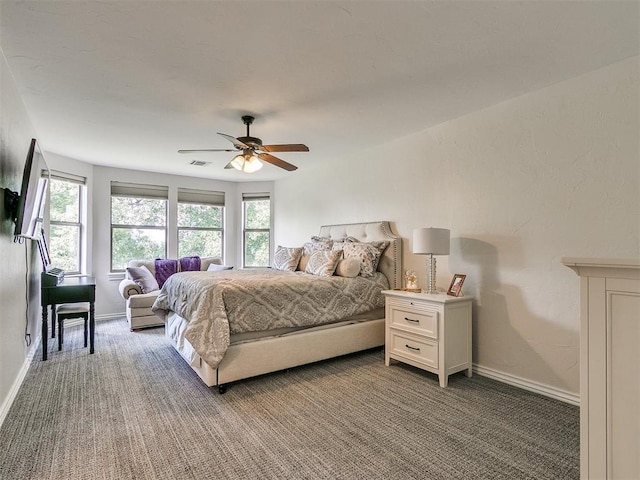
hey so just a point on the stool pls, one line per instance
(72, 310)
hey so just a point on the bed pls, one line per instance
(220, 355)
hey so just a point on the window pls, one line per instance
(66, 230)
(256, 221)
(200, 223)
(138, 223)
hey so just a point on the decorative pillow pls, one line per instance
(323, 263)
(316, 238)
(348, 267)
(287, 258)
(368, 254)
(317, 244)
(337, 245)
(143, 278)
(216, 268)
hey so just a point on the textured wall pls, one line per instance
(19, 265)
(521, 184)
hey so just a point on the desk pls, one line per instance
(71, 290)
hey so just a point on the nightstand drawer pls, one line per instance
(418, 350)
(407, 317)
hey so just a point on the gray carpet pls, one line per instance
(134, 410)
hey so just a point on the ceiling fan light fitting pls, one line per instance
(246, 163)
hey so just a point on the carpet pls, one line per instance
(135, 410)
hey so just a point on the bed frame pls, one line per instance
(249, 359)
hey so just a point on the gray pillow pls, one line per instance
(287, 258)
(323, 262)
(143, 278)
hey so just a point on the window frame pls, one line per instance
(139, 191)
(206, 198)
(80, 182)
(253, 197)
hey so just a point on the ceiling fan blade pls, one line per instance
(237, 143)
(228, 165)
(208, 150)
(276, 161)
(290, 147)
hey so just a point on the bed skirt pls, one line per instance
(248, 358)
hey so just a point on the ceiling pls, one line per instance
(128, 83)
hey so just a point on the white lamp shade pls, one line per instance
(246, 163)
(431, 241)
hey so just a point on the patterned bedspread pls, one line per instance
(217, 304)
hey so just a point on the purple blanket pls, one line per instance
(190, 264)
(164, 269)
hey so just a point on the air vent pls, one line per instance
(198, 163)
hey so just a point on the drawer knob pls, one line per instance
(417, 349)
(411, 320)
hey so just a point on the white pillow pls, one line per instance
(323, 263)
(287, 258)
(216, 268)
(348, 267)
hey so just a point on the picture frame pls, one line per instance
(455, 289)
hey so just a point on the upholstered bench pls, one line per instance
(67, 311)
(139, 303)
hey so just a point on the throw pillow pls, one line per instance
(323, 263)
(316, 244)
(217, 268)
(348, 267)
(287, 258)
(368, 254)
(143, 277)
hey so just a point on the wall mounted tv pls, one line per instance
(33, 194)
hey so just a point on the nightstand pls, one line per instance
(428, 331)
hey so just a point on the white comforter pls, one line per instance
(217, 304)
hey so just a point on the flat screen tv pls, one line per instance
(33, 194)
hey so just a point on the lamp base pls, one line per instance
(431, 275)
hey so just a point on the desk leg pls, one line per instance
(45, 333)
(92, 326)
(53, 321)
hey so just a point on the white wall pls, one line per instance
(19, 263)
(521, 184)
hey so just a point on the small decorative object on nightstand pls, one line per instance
(411, 280)
(428, 331)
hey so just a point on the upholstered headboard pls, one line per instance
(391, 260)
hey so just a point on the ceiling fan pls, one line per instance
(253, 151)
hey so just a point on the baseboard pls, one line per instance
(109, 316)
(8, 401)
(526, 384)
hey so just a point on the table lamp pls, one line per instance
(431, 241)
